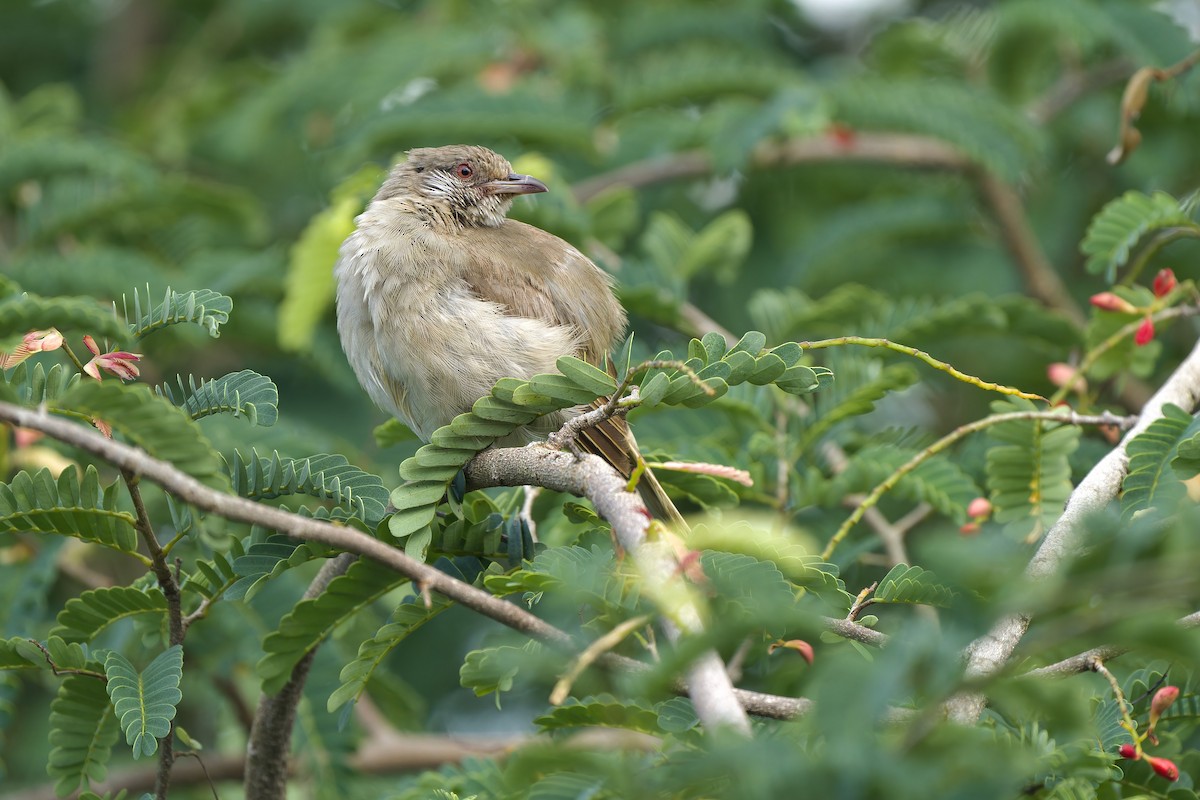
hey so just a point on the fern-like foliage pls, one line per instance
(585, 575)
(1028, 472)
(938, 481)
(1150, 481)
(601, 712)
(244, 393)
(329, 477)
(213, 578)
(34, 384)
(145, 702)
(25, 312)
(83, 617)
(905, 584)
(976, 122)
(203, 307)
(151, 423)
(268, 559)
(749, 590)
(307, 625)
(513, 403)
(83, 730)
(857, 398)
(493, 669)
(69, 506)
(408, 617)
(1122, 223)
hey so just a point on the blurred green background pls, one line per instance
(228, 145)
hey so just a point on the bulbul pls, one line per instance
(439, 296)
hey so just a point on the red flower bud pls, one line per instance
(1127, 751)
(970, 529)
(979, 507)
(1145, 332)
(1107, 301)
(1164, 282)
(1163, 699)
(1164, 767)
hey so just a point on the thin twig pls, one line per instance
(592, 652)
(989, 653)
(920, 355)
(57, 670)
(169, 584)
(1067, 418)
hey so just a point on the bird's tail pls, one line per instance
(612, 440)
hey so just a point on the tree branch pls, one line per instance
(271, 734)
(989, 653)
(240, 509)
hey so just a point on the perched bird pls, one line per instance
(439, 295)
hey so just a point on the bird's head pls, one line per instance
(475, 184)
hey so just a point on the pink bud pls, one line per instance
(1163, 699)
(1164, 282)
(979, 507)
(969, 529)
(1107, 301)
(43, 341)
(1127, 751)
(1164, 767)
(1064, 375)
(1145, 332)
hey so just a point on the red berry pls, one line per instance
(1127, 751)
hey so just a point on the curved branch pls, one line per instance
(526, 462)
(270, 742)
(988, 654)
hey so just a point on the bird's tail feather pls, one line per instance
(612, 440)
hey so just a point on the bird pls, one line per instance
(440, 295)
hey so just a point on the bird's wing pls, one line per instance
(535, 274)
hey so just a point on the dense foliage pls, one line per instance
(902, 224)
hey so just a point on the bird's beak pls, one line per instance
(517, 184)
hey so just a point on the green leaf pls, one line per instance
(265, 560)
(329, 477)
(69, 506)
(145, 702)
(308, 287)
(1150, 481)
(586, 376)
(408, 617)
(1028, 472)
(720, 248)
(34, 384)
(203, 307)
(86, 615)
(905, 584)
(493, 669)
(311, 620)
(601, 712)
(151, 423)
(83, 729)
(20, 314)
(1122, 223)
(244, 393)
(391, 433)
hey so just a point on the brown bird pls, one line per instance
(439, 296)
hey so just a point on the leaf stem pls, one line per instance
(872, 499)
(920, 355)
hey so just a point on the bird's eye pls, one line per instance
(464, 170)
